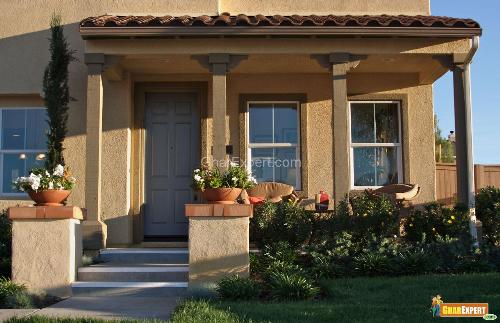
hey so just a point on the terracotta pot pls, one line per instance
(49, 197)
(224, 195)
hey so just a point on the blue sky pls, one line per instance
(485, 78)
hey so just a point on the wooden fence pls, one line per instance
(446, 180)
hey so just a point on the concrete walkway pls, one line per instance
(113, 307)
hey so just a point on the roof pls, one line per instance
(294, 24)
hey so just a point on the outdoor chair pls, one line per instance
(272, 191)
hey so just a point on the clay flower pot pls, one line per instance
(223, 195)
(49, 197)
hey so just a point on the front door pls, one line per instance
(172, 152)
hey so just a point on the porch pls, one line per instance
(320, 73)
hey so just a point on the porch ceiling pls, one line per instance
(425, 66)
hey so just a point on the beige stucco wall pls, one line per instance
(46, 254)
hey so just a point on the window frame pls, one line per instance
(298, 183)
(15, 151)
(398, 146)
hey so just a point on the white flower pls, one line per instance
(58, 170)
(198, 178)
(234, 179)
(34, 181)
(233, 164)
(197, 170)
(51, 185)
(252, 179)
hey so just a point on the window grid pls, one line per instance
(15, 151)
(273, 144)
(397, 145)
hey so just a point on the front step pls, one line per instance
(146, 273)
(135, 289)
(144, 255)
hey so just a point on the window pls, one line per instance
(375, 144)
(22, 143)
(273, 142)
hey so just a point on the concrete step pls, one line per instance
(142, 273)
(131, 289)
(144, 255)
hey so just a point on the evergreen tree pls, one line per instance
(56, 92)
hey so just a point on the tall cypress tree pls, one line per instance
(56, 92)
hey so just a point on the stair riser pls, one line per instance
(144, 258)
(133, 276)
(134, 292)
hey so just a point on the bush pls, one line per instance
(13, 295)
(367, 214)
(284, 221)
(415, 262)
(488, 212)
(373, 264)
(291, 286)
(237, 288)
(5, 244)
(436, 221)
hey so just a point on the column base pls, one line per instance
(95, 234)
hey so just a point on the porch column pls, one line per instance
(463, 139)
(94, 230)
(219, 67)
(341, 63)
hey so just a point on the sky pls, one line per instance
(485, 74)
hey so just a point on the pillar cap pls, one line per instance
(219, 210)
(45, 212)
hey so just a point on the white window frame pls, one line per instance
(398, 146)
(15, 151)
(298, 183)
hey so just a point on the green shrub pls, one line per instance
(237, 288)
(367, 214)
(13, 295)
(291, 286)
(284, 221)
(373, 264)
(5, 244)
(415, 262)
(436, 221)
(488, 212)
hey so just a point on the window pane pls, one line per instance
(34, 160)
(13, 129)
(261, 123)
(364, 166)
(13, 167)
(36, 128)
(386, 116)
(285, 123)
(387, 166)
(262, 164)
(362, 124)
(286, 164)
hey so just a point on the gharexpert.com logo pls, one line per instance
(441, 309)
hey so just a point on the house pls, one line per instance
(327, 95)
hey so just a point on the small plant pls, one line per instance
(13, 295)
(373, 264)
(291, 286)
(236, 177)
(41, 179)
(238, 288)
(415, 262)
(5, 244)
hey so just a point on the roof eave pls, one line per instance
(159, 31)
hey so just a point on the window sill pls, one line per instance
(15, 197)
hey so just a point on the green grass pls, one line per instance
(402, 299)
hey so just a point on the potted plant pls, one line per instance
(47, 188)
(222, 187)
(52, 185)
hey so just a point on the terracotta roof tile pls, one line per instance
(226, 19)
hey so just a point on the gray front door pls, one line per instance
(172, 152)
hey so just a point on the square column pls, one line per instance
(341, 63)
(94, 230)
(219, 66)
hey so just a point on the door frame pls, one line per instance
(138, 138)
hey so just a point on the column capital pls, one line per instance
(98, 63)
(219, 63)
(345, 61)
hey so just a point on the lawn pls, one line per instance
(401, 299)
